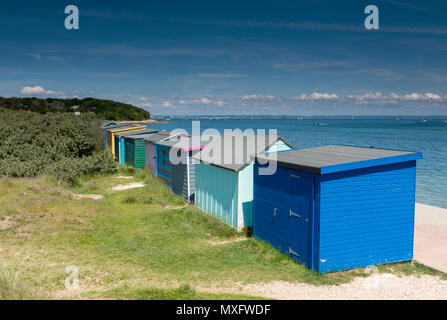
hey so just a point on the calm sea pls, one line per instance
(429, 137)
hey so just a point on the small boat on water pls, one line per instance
(321, 124)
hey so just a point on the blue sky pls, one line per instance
(225, 57)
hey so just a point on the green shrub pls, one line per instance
(63, 145)
(68, 170)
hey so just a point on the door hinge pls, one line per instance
(294, 176)
(293, 252)
(294, 214)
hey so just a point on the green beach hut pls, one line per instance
(134, 151)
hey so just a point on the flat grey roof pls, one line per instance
(336, 158)
(185, 144)
(236, 149)
(137, 136)
(159, 136)
(133, 133)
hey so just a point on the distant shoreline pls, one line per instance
(150, 121)
(278, 117)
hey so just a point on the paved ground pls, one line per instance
(430, 238)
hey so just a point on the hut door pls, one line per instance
(300, 217)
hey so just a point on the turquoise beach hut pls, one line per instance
(120, 146)
(224, 186)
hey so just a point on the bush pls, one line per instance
(62, 145)
(68, 170)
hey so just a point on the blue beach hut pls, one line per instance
(224, 186)
(337, 207)
(120, 146)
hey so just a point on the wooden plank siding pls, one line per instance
(217, 192)
(135, 153)
(179, 178)
(117, 148)
(164, 169)
(228, 194)
(150, 157)
(358, 218)
(130, 151)
(192, 177)
(366, 217)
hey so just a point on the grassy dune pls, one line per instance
(141, 243)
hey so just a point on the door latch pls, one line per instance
(294, 214)
(293, 252)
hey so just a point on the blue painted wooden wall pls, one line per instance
(355, 218)
(366, 217)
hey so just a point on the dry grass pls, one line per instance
(132, 242)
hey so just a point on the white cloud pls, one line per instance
(417, 96)
(166, 104)
(32, 90)
(432, 96)
(394, 95)
(370, 96)
(204, 100)
(257, 97)
(142, 99)
(317, 96)
(38, 90)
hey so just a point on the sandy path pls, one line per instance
(374, 287)
(121, 187)
(430, 236)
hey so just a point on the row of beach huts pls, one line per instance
(330, 208)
